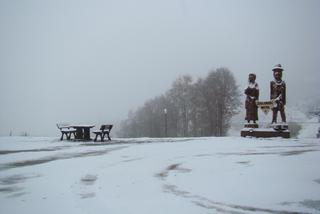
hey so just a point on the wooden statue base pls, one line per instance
(265, 132)
(251, 125)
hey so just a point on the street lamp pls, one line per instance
(165, 111)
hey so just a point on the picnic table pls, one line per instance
(82, 131)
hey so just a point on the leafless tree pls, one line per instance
(201, 108)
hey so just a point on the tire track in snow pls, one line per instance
(207, 203)
(62, 156)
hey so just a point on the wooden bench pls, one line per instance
(104, 130)
(66, 130)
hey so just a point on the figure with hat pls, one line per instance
(252, 92)
(278, 93)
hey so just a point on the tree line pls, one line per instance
(189, 109)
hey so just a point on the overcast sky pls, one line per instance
(92, 61)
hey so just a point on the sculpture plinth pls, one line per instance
(264, 133)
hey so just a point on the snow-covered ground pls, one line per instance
(191, 175)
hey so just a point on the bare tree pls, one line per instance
(203, 108)
(180, 95)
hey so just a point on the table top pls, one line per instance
(82, 126)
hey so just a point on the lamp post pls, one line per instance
(165, 111)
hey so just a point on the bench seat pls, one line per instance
(66, 130)
(104, 130)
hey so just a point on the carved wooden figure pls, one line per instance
(278, 94)
(252, 92)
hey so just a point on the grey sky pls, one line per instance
(93, 61)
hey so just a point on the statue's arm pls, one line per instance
(271, 86)
(284, 93)
(246, 91)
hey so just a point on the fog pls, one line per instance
(92, 61)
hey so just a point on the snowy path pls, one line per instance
(193, 175)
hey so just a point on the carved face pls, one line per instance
(277, 75)
(252, 78)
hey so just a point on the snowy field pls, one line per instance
(191, 175)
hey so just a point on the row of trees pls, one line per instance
(190, 108)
